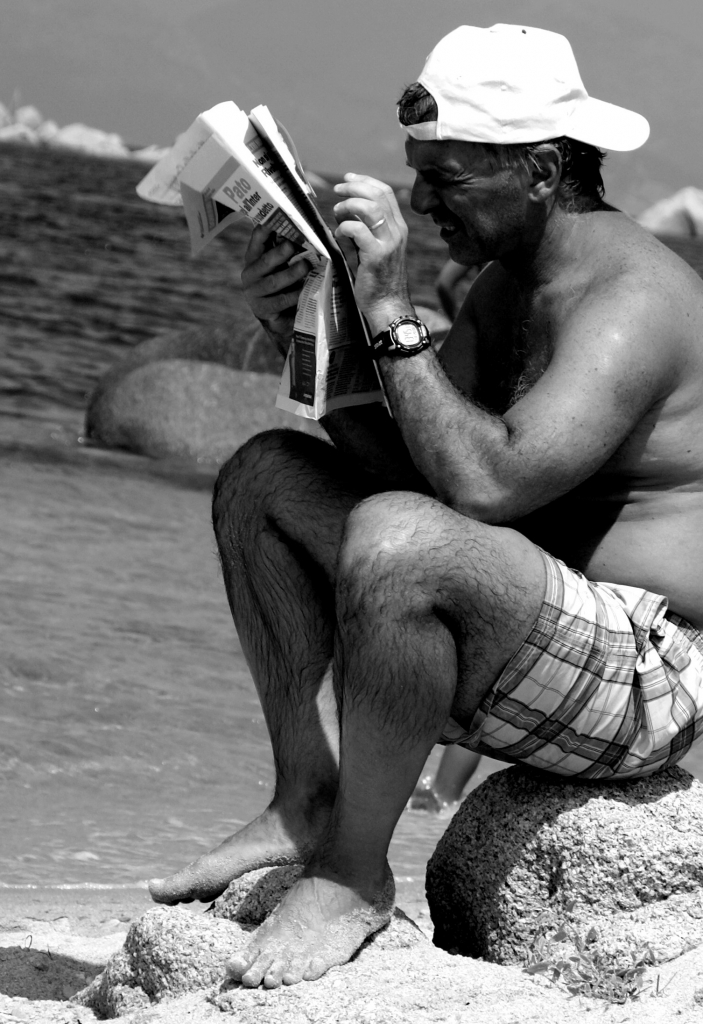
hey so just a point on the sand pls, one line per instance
(53, 942)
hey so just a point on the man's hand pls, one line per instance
(272, 286)
(370, 217)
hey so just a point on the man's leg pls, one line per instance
(279, 511)
(430, 607)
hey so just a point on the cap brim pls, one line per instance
(607, 126)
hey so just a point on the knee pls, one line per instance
(248, 479)
(384, 546)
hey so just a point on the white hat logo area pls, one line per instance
(515, 84)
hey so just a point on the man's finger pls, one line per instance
(368, 188)
(361, 234)
(270, 260)
(366, 179)
(279, 281)
(257, 243)
(369, 213)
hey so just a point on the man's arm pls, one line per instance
(365, 433)
(272, 284)
(608, 368)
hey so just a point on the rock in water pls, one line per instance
(187, 409)
(619, 864)
(192, 394)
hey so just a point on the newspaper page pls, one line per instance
(229, 164)
(326, 368)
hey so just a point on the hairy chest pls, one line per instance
(514, 347)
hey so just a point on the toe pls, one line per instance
(315, 969)
(274, 975)
(192, 883)
(238, 965)
(174, 889)
(257, 972)
(293, 974)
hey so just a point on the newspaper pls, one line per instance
(229, 164)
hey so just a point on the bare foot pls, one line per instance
(424, 798)
(272, 839)
(319, 923)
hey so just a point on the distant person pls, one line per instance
(456, 768)
(452, 285)
(435, 575)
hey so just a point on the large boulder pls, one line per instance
(190, 410)
(192, 394)
(530, 860)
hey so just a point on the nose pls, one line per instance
(423, 197)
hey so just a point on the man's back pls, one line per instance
(638, 519)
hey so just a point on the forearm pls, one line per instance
(466, 454)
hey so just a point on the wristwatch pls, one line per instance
(406, 336)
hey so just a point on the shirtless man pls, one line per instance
(563, 417)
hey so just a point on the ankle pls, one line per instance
(308, 807)
(371, 878)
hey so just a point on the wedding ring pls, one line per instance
(377, 224)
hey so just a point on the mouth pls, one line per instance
(448, 232)
(446, 228)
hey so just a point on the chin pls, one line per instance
(461, 252)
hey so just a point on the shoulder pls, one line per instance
(630, 278)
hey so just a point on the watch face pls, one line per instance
(408, 335)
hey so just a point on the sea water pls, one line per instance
(131, 738)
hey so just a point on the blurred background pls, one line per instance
(332, 70)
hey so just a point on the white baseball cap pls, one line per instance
(514, 84)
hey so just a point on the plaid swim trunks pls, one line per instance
(608, 684)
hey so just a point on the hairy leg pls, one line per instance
(430, 608)
(279, 510)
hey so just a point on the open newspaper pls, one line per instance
(229, 164)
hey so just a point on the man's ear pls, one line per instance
(545, 173)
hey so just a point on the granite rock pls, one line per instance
(170, 951)
(189, 410)
(193, 394)
(619, 863)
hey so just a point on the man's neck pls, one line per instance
(548, 253)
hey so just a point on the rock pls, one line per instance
(150, 154)
(47, 131)
(169, 951)
(190, 394)
(250, 899)
(90, 140)
(527, 853)
(189, 410)
(680, 214)
(18, 133)
(29, 116)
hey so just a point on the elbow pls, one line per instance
(492, 506)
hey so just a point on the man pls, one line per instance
(563, 417)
